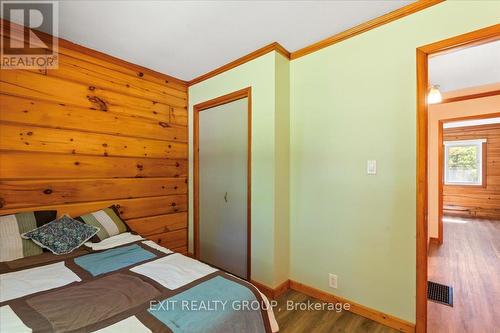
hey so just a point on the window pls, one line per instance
(463, 162)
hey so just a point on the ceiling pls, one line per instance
(189, 38)
(474, 122)
(466, 68)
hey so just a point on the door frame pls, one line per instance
(221, 100)
(422, 54)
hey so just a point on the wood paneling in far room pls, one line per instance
(476, 201)
(94, 132)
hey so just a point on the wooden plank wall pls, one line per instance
(95, 132)
(476, 201)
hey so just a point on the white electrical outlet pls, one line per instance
(332, 280)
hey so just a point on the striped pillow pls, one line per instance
(108, 220)
(12, 245)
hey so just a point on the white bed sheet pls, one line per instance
(10, 322)
(128, 325)
(174, 271)
(157, 247)
(33, 280)
(114, 241)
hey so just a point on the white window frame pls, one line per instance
(479, 144)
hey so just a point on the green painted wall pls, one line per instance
(266, 75)
(352, 102)
(348, 103)
(282, 169)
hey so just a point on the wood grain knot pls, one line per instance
(47, 191)
(140, 167)
(141, 74)
(91, 88)
(29, 133)
(100, 103)
(163, 124)
(2, 202)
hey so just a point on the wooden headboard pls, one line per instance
(94, 132)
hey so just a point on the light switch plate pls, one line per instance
(332, 280)
(371, 167)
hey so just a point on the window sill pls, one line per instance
(466, 185)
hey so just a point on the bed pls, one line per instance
(127, 284)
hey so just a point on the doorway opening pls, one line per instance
(469, 218)
(467, 187)
(427, 223)
(222, 137)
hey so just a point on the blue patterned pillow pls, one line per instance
(62, 235)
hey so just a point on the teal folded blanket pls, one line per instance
(216, 305)
(113, 259)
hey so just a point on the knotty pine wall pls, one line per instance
(470, 201)
(95, 132)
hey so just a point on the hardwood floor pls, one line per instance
(469, 261)
(321, 321)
